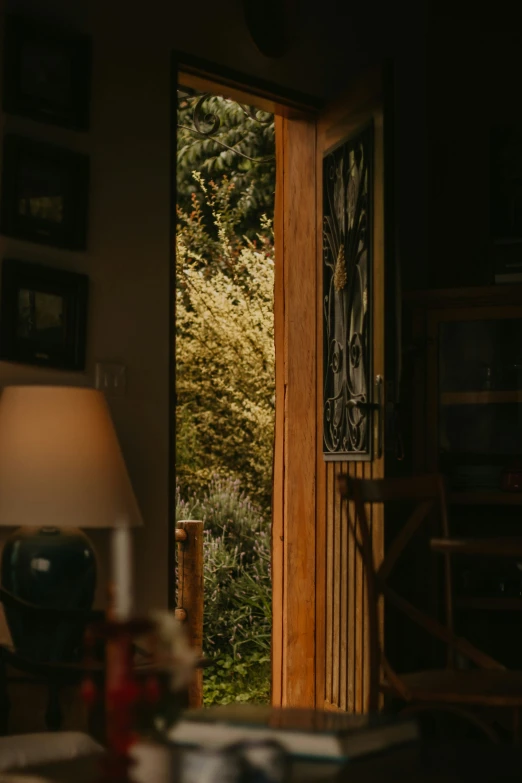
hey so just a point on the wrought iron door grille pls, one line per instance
(347, 297)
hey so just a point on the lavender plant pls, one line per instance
(237, 585)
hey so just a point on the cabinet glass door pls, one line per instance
(480, 401)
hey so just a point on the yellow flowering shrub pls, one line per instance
(224, 346)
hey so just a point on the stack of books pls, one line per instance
(309, 737)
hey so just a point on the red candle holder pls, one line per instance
(124, 692)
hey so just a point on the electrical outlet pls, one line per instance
(111, 379)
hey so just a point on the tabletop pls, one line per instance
(463, 762)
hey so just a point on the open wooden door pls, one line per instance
(330, 388)
(335, 349)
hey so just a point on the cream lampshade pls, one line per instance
(61, 469)
(60, 461)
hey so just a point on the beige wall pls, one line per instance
(128, 249)
(128, 264)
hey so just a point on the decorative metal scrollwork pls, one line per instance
(200, 118)
(207, 123)
(347, 264)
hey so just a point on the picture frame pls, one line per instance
(45, 193)
(43, 315)
(47, 74)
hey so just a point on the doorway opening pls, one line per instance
(225, 375)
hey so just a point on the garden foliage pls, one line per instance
(224, 348)
(242, 150)
(237, 589)
(225, 384)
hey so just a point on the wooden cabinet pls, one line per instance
(466, 391)
(463, 395)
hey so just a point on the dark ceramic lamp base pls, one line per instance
(49, 568)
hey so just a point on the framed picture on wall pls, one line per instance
(45, 193)
(47, 74)
(43, 315)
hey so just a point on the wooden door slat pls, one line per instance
(343, 685)
(337, 576)
(329, 583)
(350, 577)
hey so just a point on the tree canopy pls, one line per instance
(221, 138)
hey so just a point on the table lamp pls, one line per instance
(61, 469)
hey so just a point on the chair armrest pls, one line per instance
(493, 547)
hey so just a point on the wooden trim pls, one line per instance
(324, 473)
(300, 431)
(445, 298)
(477, 312)
(507, 604)
(337, 661)
(481, 397)
(432, 394)
(171, 508)
(485, 497)
(352, 110)
(329, 706)
(328, 581)
(357, 622)
(343, 524)
(206, 76)
(350, 653)
(418, 398)
(279, 457)
(508, 546)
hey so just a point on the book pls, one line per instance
(304, 734)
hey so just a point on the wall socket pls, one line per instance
(111, 379)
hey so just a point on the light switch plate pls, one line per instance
(111, 378)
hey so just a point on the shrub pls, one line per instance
(224, 350)
(225, 384)
(232, 680)
(237, 591)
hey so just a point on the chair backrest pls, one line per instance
(427, 494)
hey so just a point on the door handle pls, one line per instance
(377, 407)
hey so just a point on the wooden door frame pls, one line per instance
(295, 493)
(295, 335)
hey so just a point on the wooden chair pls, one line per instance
(461, 691)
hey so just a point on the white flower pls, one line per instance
(173, 650)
